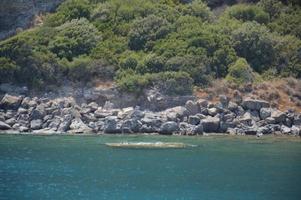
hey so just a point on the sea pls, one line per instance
(208, 168)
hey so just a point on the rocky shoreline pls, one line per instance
(19, 114)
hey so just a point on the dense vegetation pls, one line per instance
(170, 44)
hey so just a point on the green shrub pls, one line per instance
(68, 10)
(8, 69)
(240, 72)
(172, 83)
(84, 69)
(34, 67)
(246, 12)
(145, 31)
(74, 38)
(152, 64)
(288, 22)
(256, 44)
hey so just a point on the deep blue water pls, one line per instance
(82, 167)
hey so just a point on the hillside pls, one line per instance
(172, 45)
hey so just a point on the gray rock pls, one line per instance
(93, 106)
(169, 128)
(211, 124)
(131, 126)
(232, 106)
(254, 104)
(4, 126)
(99, 125)
(23, 129)
(255, 115)
(285, 130)
(22, 111)
(125, 113)
(224, 100)
(178, 112)
(228, 117)
(11, 121)
(27, 103)
(36, 124)
(54, 123)
(111, 125)
(38, 113)
(212, 111)
(192, 107)
(152, 121)
(237, 97)
(270, 120)
(194, 120)
(231, 131)
(198, 130)
(288, 122)
(296, 131)
(278, 116)
(265, 113)
(65, 124)
(264, 130)
(108, 106)
(246, 119)
(147, 129)
(10, 102)
(78, 126)
(224, 126)
(137, 114)
(297, 120)
(202, 103)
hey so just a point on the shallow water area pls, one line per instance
(211, 167)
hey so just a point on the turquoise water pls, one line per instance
(82, 167)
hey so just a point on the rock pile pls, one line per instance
(42, 115)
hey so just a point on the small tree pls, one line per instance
(240, 72)
(74, 38)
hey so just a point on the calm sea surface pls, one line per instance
(83, 167)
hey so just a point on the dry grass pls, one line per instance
(281, 93)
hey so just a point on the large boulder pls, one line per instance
(125, 112)
(211, 124)
(278, 116)
(169, 128)
(192, 107)
(28, 103)
(10, 102)
(131, 126)
(246, 119)
(65, 124)
(254, 104)
(39, 112)
(36, 124)
(78, 126)
(4, 126)
(175, 113)
(265, 113)
(297, 120)
(194, 120)
(198, 130)
(111, 125)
